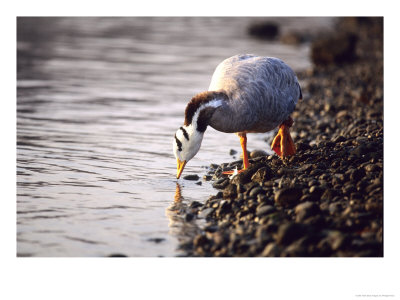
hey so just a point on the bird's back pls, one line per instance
(263, 91)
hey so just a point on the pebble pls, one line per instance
(221, 183)
(305, 210)
(205, 213)
(289, 232)
(265, 210)
(191, 177)
(272, 250)
(258, 153)
(288, 196)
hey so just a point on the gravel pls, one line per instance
(327, 200)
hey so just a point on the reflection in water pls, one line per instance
(182, 222)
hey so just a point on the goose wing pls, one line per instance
(263, 91)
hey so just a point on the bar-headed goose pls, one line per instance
(247, 94)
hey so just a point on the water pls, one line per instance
(98, 102)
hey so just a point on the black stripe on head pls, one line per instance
(198, 100)
(185, 134)
(178, 143)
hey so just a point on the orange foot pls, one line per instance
(243, 143)
(283, 144)
(231, 172)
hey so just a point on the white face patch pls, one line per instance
(187, 142)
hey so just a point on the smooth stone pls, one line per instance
(271, 249)
(205, 212)
(289, 232)
(232, 152)
(264, 210)
(305, 210)
(230, 191)
(191, 177)
(258, 153)
(221, 183)
(288, 196)
(255, 191)
(263, 174)
(207, 177)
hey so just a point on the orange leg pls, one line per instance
(283, 144)
(246, 164)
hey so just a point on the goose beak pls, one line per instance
(180, 166)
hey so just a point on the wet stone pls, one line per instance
(221, 183)
(289, 232)
(255, 191)
(207, 177)
(205, 212)
(272, 250)
(264, 210)
(288, 196)
(191, 177)
(230, 191)
(305, 210)
(258, 153)
(263, 174)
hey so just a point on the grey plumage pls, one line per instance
(262, 93)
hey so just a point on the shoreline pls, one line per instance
(327, 199)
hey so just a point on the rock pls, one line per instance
(264, 30)
(305, 210)
(156, 240)
(271, 250)
(245, 176)
(335, 208)
(292, 38)
(214, 166)
(305, 168)
(357, 174)
(200, 240)
(191, 177)
(262, 235)
(189, 217)
(207, 177)
(288, 196)
(316, 191)
(258, 153)
(232, 152)
(371, 168)
(264, 210)
(221, 183)
(230, 191)
(224, 208)
(203, 214)
(335, 239)
(255, 191)
(359, 151)
(195, 204)
(117, 255)
(334, 49)
(328, 195)
(289, 232)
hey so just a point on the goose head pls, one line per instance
(189, 136)
(186, 145)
